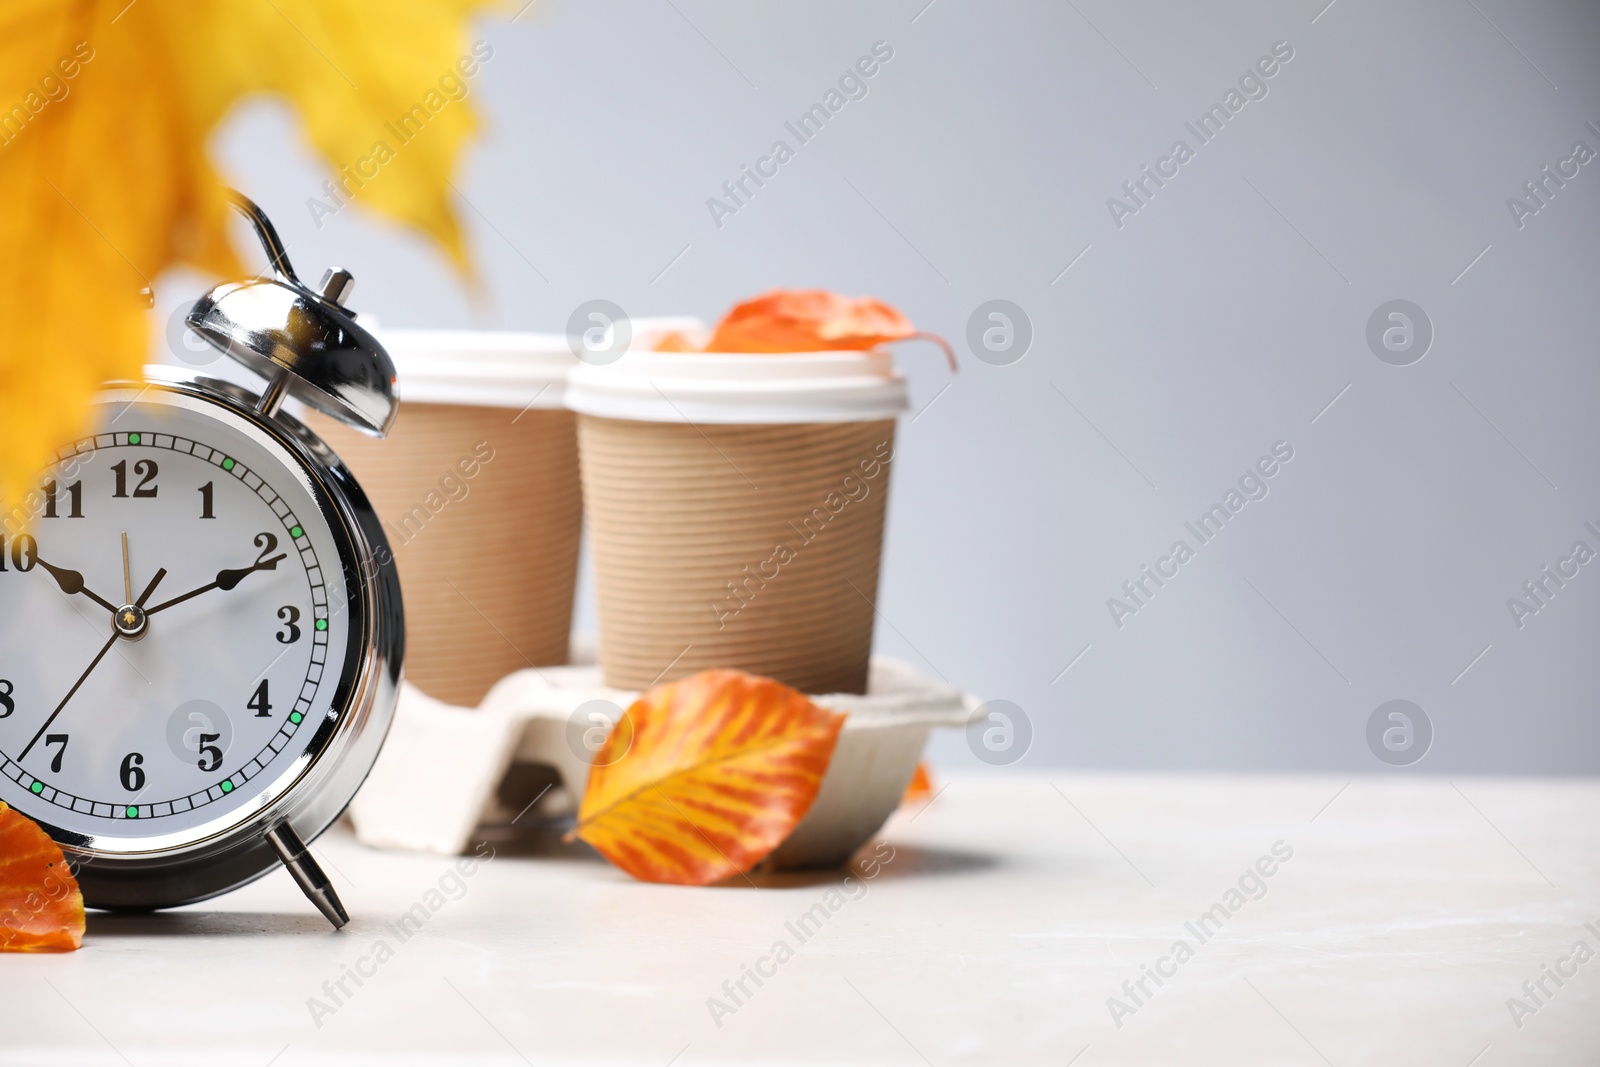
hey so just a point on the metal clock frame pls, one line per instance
(306, 797)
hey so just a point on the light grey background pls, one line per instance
(1223, 317)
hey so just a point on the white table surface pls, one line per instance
(1013, 908)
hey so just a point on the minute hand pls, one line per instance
(225, 580)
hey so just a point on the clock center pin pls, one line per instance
(131, 621)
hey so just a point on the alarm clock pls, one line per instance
(201, 629)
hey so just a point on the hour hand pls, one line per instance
(71, 583)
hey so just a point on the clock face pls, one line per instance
(155, 699)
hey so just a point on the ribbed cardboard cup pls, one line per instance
(716, 543)
(482, 504)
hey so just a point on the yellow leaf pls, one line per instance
(105, 110)
(706, 776)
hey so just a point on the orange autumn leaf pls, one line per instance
(702, 778)
(814, 320)
(921, 787)
(41, 909)
(676, 342)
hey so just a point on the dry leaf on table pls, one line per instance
(704, 777)
(105, 111)
(41, 909)
(921, 787)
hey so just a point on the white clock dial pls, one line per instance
(177, 695)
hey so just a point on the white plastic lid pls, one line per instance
(739, 389)
(480, 368)
(500, 369)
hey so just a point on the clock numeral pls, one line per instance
(8, 703)
(133, 772)
(208, 494)
(74, 495)
(268, 545)
(291, 633)
(56, 739)
(24, 553)
(258, 702)
(146, 470)
(212, 761)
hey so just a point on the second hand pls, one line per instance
(84, 677)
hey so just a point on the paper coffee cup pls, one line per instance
(478, 490)
(736, 511)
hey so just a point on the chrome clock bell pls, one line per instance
(201, 646)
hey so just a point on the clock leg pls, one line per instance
(315, 884)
